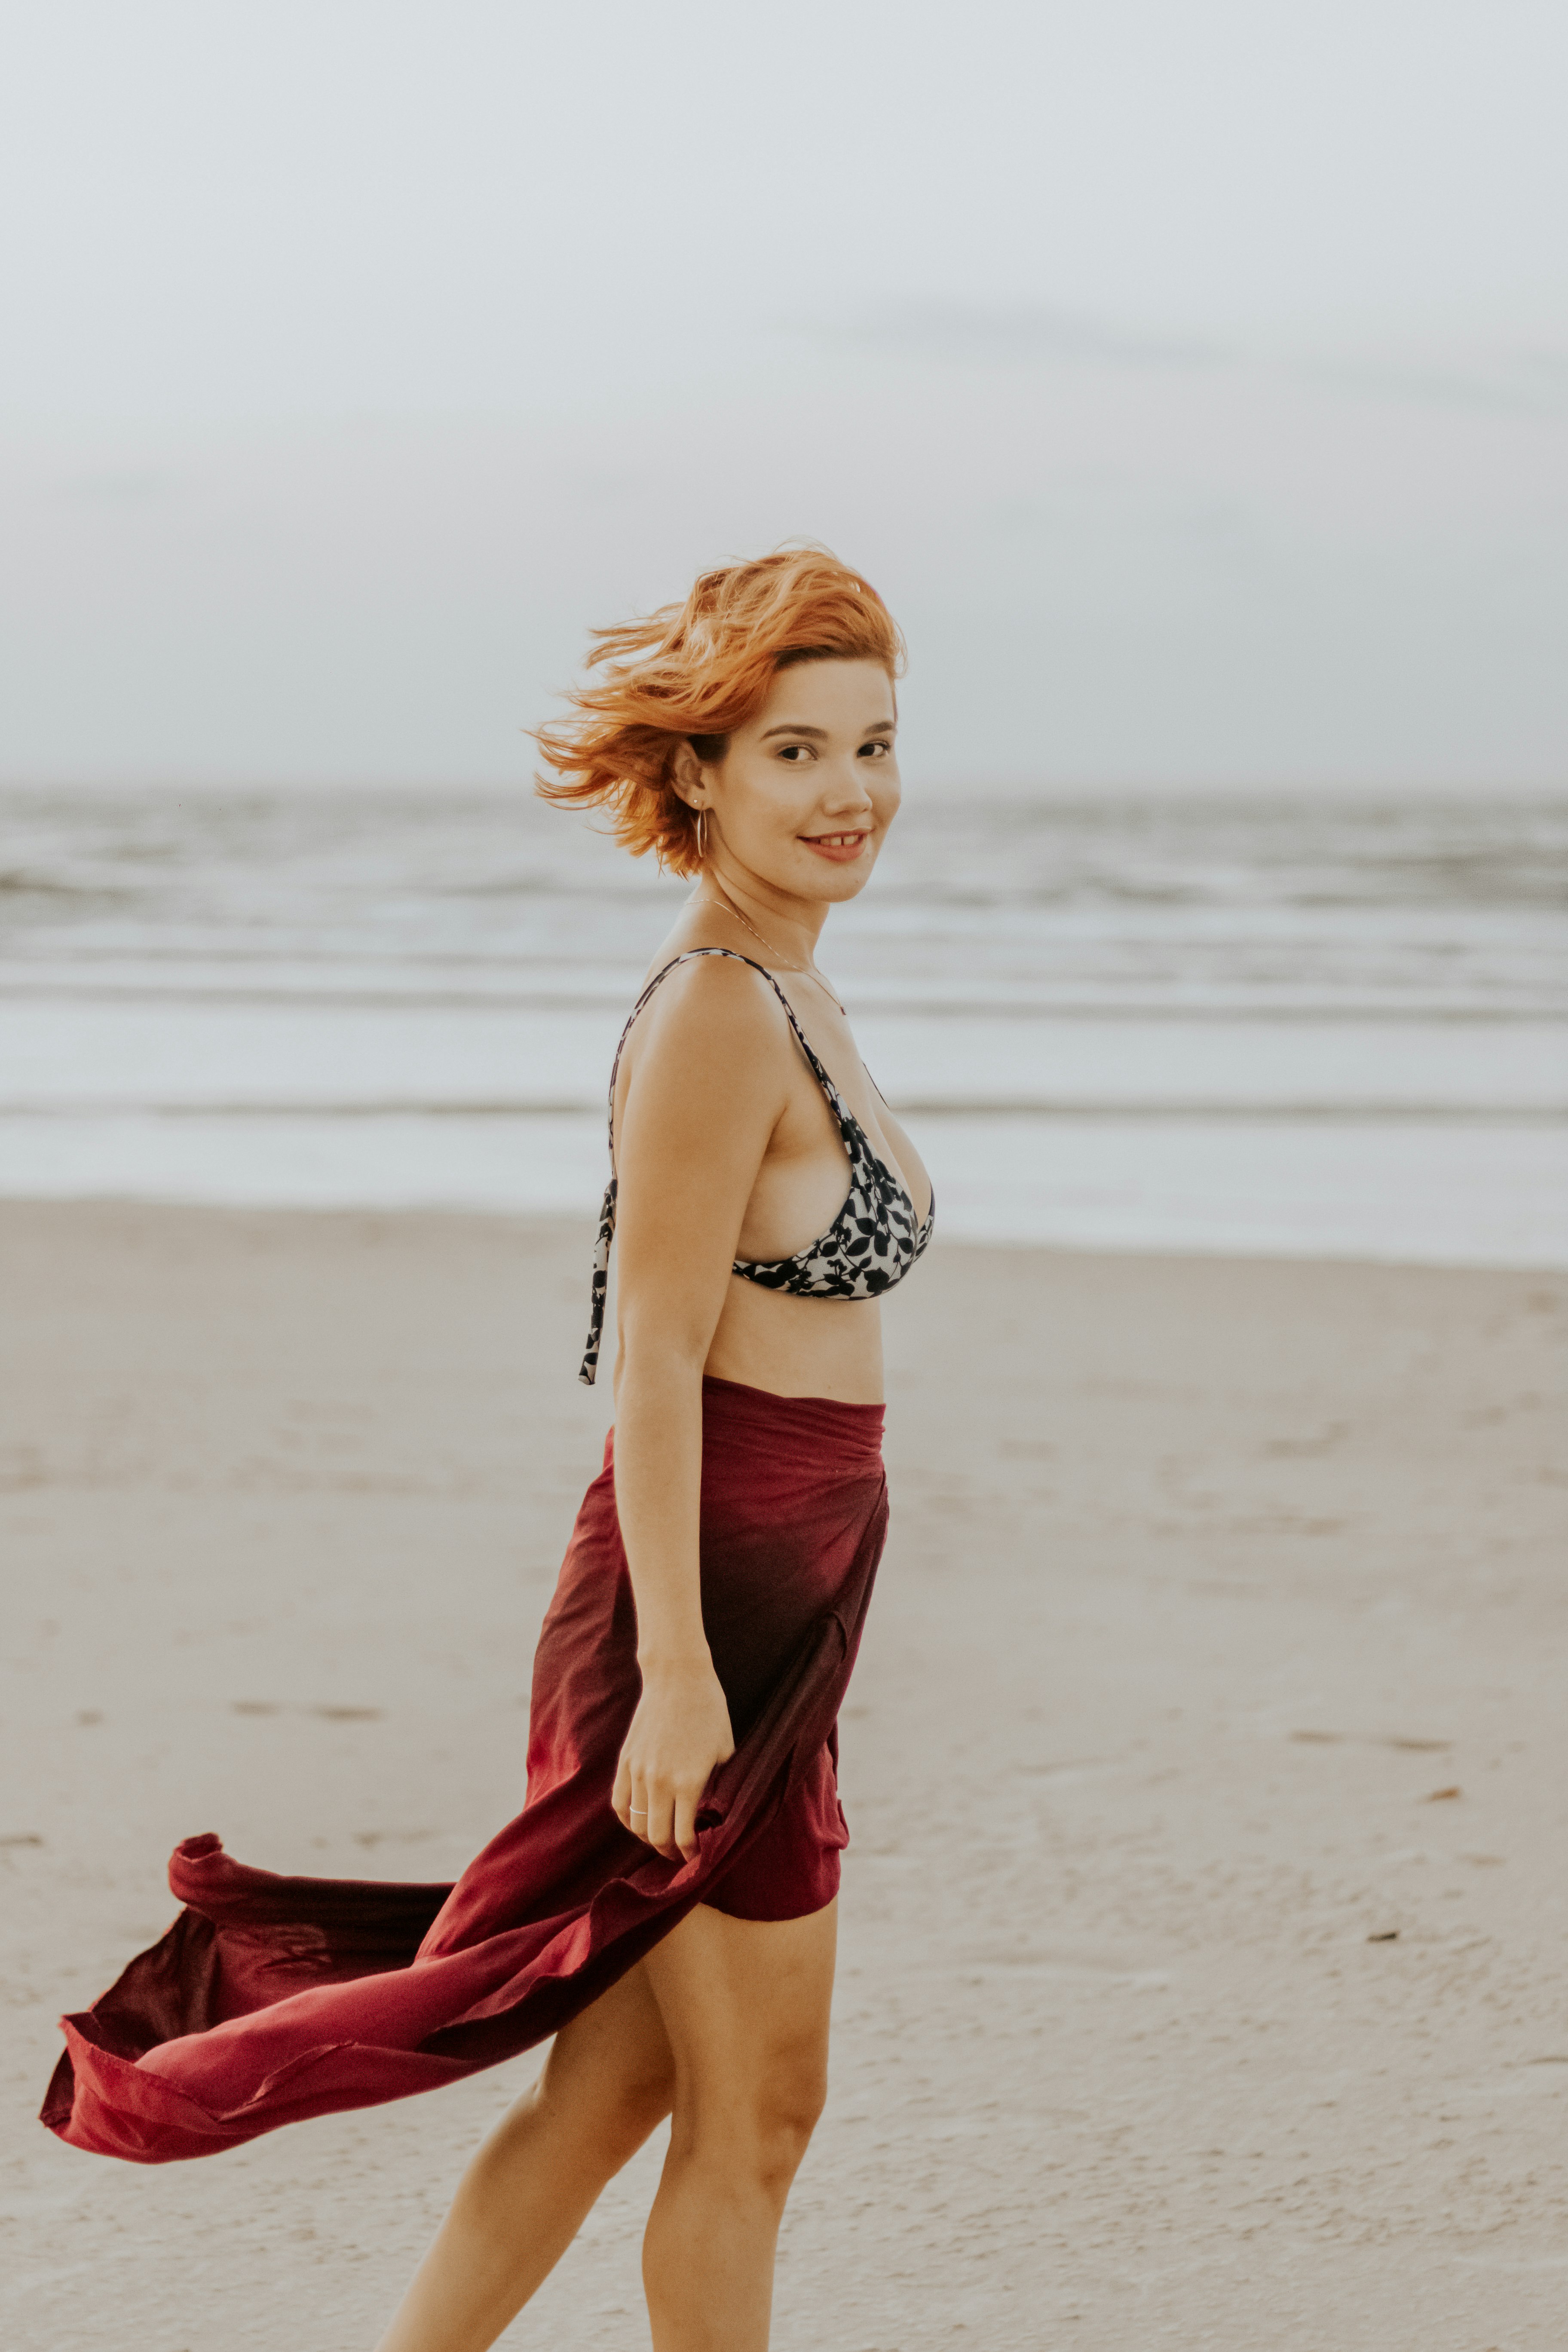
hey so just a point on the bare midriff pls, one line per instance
(799, 1347)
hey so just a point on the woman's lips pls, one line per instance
(841, 847)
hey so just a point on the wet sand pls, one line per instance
(1202, 1976)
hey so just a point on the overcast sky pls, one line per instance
(1191, 378)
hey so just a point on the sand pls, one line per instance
(1202, 1973)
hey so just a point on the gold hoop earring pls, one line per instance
(701, 835)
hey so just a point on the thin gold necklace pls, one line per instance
(808, 971)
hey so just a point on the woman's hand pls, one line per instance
(679, 1732)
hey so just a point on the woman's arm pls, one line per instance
(708, 1088)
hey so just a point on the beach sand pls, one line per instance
(1202, 1969)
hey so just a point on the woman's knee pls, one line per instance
(758, 2131)
(789, 2110)
(626, 2110)
(637, 2108)
(602, 2121)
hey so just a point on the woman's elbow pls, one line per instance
(655, 1359)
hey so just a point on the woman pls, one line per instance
(666, 1903)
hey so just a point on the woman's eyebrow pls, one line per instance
(877, 727)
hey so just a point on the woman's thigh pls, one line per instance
(613, 2056)
(745, 2004)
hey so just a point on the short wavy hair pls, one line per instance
(691, 674)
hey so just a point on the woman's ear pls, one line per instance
(686, 773)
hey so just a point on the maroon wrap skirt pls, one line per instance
(272, 1999)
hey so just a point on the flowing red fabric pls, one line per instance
(272, 1999)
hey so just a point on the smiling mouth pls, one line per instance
(834, 840)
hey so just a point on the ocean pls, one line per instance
(1306, 1026)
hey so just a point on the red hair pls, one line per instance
(691, 674)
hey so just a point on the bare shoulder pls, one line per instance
(710, 1049)
(714, 1007)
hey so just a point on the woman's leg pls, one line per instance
(608, 2080)
(745, 2007)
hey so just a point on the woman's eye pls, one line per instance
(797, 752)
(875, 750)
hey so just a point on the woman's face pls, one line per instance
(808, 787)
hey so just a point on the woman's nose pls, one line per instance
(847, 788)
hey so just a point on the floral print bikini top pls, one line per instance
(871, 1243)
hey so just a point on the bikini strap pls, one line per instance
(692, 955)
